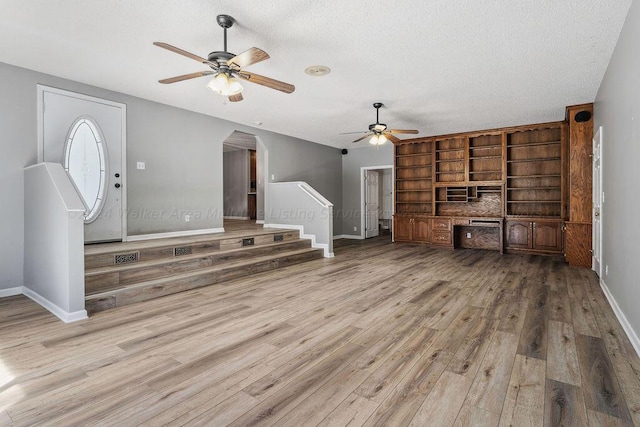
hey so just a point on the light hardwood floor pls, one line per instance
(382, 334)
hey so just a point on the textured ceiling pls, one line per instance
(439, 66)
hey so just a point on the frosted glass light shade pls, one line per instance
(377, 140)
(224, 85)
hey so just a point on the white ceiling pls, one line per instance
(439, 66)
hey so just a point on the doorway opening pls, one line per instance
(243, 190)
(376, 183)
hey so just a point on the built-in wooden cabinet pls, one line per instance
(527, 181)
(534, 235)
(441, 231)
(580, 204)
(411, 229)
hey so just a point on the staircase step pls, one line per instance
(128, 294)
(110, 254)
(101, 279)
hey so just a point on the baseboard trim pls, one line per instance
(185, 233)
(11, 292)
(628, 329)
(259, 221)
(65, 316)
(348, 236)
(244, 218)
(312, 237)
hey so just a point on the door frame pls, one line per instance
(41, 89)
(598, 137)
(363, 191)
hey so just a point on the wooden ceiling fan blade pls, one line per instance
(363, 137)
(181, 52)
(236, 98)
(248, 57)
(267, 82)
(186, 77)
(407, 131)
(391, 137)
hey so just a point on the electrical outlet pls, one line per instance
(187, 218)
(355, 228)
(468, 235)
(606, 270)
(140, 166)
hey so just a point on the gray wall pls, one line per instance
(617, 109)
(236, 182)
(54, 261)
(351, 191)
(183, 155)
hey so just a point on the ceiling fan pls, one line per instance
(378, 131)
(227, 68)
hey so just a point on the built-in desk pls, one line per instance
(478, 233)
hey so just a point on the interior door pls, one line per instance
(598, 197)
(387, 195)
(371, 204)
(62, 111)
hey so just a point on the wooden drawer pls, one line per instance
(441, 224)
(441, 238)
(461, 221)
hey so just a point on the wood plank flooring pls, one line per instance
(382, 334)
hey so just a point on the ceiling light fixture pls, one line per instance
(377, 139)
(317, 70)
(225, 85)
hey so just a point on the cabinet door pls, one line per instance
(402, 228)
(547, 236)
(421, 230)
(519, 234)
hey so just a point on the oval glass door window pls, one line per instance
(85, 159)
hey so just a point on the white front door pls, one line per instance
(597, 202)
(371, 204)
(69, 119)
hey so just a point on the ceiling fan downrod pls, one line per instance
(225, 21)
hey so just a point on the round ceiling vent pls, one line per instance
(317, 70)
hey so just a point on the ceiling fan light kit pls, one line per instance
(379, 132)
(224, 85)
(377, 139)
(227, 68)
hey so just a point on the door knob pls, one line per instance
(117, 185)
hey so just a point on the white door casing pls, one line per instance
(58, 111)
(598, 199)
(371, 204)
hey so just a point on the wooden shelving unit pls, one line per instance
(485, 157)
(450, 160)
(414, 178)
(534, 168)
(521, 180)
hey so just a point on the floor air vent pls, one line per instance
(278, 238)
(247, 242)
(182, 250)
(126, 258)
